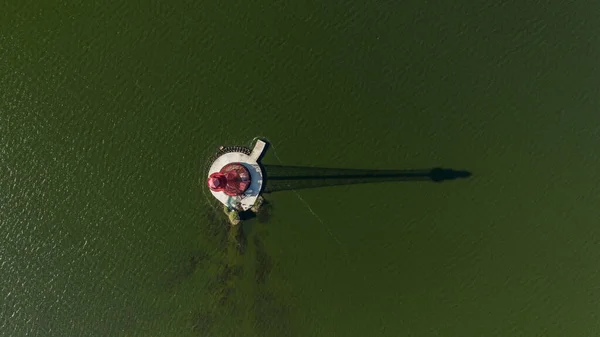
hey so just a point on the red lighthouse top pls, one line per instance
(233, 179)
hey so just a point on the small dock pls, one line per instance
(258, 149)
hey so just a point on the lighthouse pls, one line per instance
(235, 178)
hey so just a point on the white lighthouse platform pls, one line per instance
(249, 197)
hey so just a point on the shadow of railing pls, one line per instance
(282, 178)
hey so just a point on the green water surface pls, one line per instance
(110, 110)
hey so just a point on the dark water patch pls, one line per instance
(229, 273)
(272, 306)
(214, 227)
(191, 263)
(264, 214)
(272, 315)
(236, 239)
(264, 263)
(213, 242)
(185, 268)
(202, 323)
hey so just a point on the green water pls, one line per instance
(109, 112)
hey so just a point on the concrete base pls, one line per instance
(248, 199)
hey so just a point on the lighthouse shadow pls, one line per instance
(283, 178)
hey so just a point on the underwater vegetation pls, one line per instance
(234, 272)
